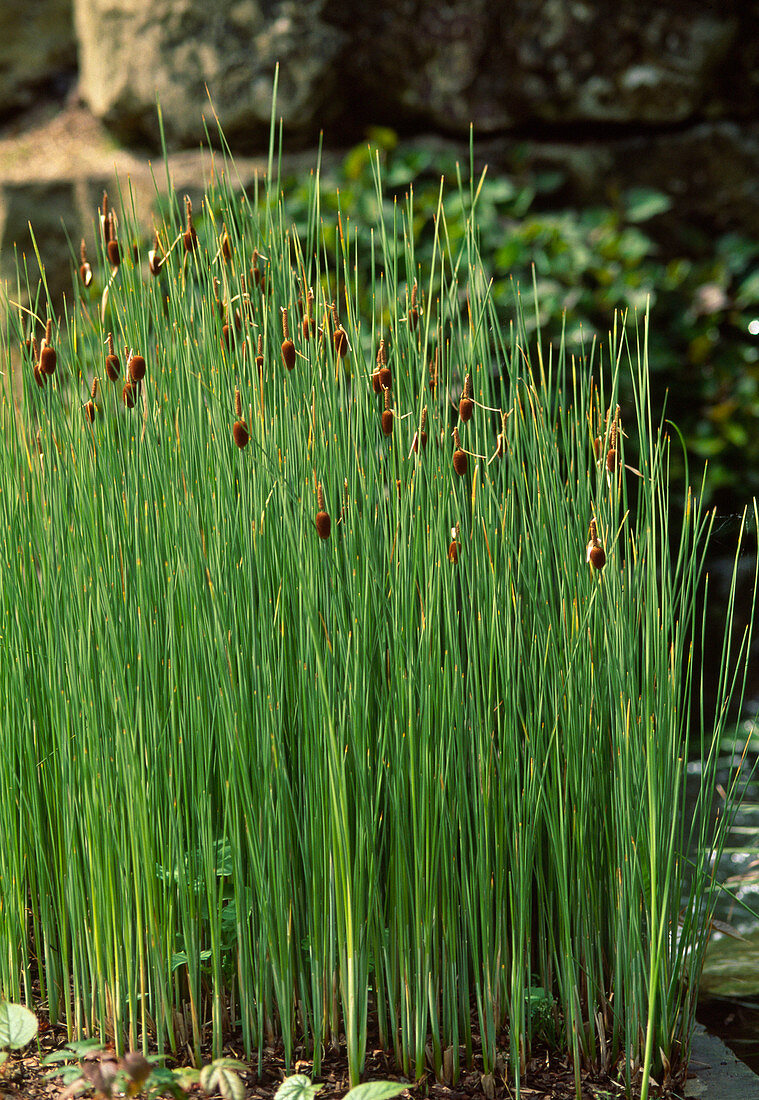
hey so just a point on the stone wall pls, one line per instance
(658, 92)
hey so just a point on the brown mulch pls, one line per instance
(549, 1076)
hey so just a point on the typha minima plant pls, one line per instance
(337, 790)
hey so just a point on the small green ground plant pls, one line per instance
(18, 1026)
(346, 641)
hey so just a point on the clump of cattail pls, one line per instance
(323, 522)
(112, 365)
(388, 416)
(85, 271)
(190, 237)
(137, 368)
(413, 313)
(309, 324)
(260, 353)
(453, 548)
(466, 404)
(340, 336)
(460, 460)
(155, 259)
(129, 395)
(420, 438)
(595, 554)
(48, 358)
(288, 347)
(90, 409)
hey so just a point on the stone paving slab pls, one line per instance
(719, 1075)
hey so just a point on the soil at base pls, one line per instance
(549, 1076)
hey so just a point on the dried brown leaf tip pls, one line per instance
(466, 404)
(48, 359)
(595, 554)
(190, 237)
(388, 415)
(85, 271)
(340, 336)
(288, 347)
(323, 522)
(460, 460)
(112, 365)
(453, 548)
(413, 313)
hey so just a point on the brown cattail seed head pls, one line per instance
(48, 358)
(39, 377)
(341, 342)
(413, 313)
(129, 395)
(433, 374)
(387, 416)
(114, 256)
(420, 439)
(238, 404)
(385, 378)
(611, 461)
(90, 411)
(460, 460)
(190, 237)
(453, 548)
(155, 260)
(137, 368)
(309, 327)
(323, 522)
(595, 555)
(226, 246)
(85, 271)
(376, 384)
(466, 408)
(94, 390)
(288, 354)
(240, 433)
(112, 365)
(260, 353)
